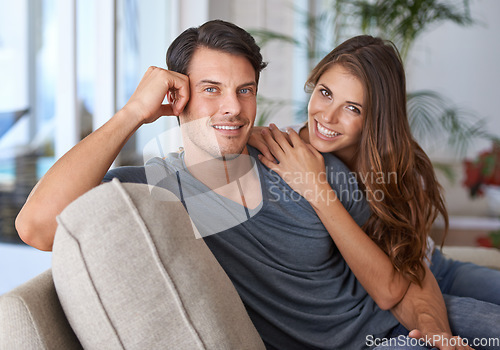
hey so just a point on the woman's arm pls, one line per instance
(303, 168)
(371, 266)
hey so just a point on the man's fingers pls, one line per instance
(182, 98)
(156, 84)
(415, 334)
(442, 342)
(178, 106)
(166, 110)
(178, 94)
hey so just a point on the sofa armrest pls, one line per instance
(489, 257)
(31, 317)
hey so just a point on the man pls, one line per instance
(298, 290)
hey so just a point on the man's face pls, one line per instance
(222, 105)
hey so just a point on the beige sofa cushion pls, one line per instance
(32, 318)
(131, 274)
(489, 257)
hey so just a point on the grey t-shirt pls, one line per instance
(297, 288)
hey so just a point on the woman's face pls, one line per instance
(336, 113)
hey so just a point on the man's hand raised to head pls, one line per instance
(84, 166)
(147, 100)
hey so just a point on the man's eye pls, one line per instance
(210, 89)
(245, 91)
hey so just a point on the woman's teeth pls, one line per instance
(326, 132)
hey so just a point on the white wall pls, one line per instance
(462, 63)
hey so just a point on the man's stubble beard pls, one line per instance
(207, 142)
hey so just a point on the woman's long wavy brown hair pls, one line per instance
(398, 177)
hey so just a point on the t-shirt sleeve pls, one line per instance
(133, 174)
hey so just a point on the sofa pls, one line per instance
(132, 273)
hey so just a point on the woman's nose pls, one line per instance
(330, 115)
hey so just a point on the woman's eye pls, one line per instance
(325, 92)
(354, 109)
(244, 91)
(210, 89)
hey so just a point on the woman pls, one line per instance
(357, 111)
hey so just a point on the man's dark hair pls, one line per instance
(216, 35)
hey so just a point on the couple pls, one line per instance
(302, 289)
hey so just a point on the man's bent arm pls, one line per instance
(423, 308)
(84, 166)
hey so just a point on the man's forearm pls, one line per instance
(423, 308)
(78, 171)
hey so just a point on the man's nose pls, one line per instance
(231, 105)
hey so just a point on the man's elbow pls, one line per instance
(387, 303)
(391, 299)
(32, 233)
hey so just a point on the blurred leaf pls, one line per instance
(435, 119)
(264, 36)
(446, 170)
(402, 21)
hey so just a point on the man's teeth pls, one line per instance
(227, 127)
(325, 132)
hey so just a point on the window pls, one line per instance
(66, 67)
